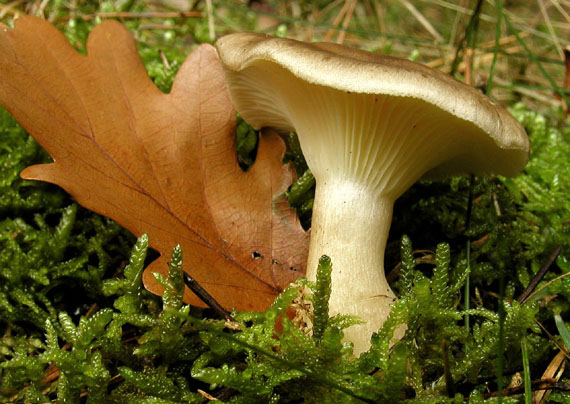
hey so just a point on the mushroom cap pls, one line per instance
(351, 71)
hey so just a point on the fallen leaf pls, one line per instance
(162, 164)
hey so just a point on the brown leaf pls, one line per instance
(162, 164)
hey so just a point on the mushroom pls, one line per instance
(369, 126)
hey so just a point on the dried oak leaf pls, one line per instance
(162, 164)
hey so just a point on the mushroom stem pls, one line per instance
(350, 224)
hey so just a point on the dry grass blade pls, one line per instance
(566, 79)
(207, 396)
(337, 21)
(346, 22)
(561, 10)
(554, 370)
(539, 275)
(550, 28)
(449, 384)
(467, 64)
(379, 14)
(422, 20)
(531, 94)
(211, 26)
(10, 7)
(370, 28)
(537, 385)
(547, 284)
(555, 341)
(133, 15)
(567, 68)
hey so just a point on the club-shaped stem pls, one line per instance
(369, 126)
(350, 224)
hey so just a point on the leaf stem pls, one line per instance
(207, 298)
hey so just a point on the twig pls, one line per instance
(521, 24)
(525, 91)
(427, 257)
(539, 275)
(379, 16)
(566, 77)
(207, 396)
(483, 58)
(547, 284)
(562, 348)
(468, 60)
(554, 370)
(449, 384)
(91, 310)
(465, 40)
(560, 9)
(51, 374)
(42, 8)
(456, 24)
(540, 384)
(5, 9)
(496, 204)
(164, 59)
(211, 27)
(336, 21)
(499, 7)
(129, 15)
(206, 297)
(502, 41)
(157, 27)
(346, 22)
(326, 9)
(422, 20)
(225, 393)
(550, 28)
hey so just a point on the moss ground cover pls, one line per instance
(77, 326)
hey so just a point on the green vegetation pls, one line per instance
(110, 341)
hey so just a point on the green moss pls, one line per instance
(111, 341)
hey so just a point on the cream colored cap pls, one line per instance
(353, 71)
